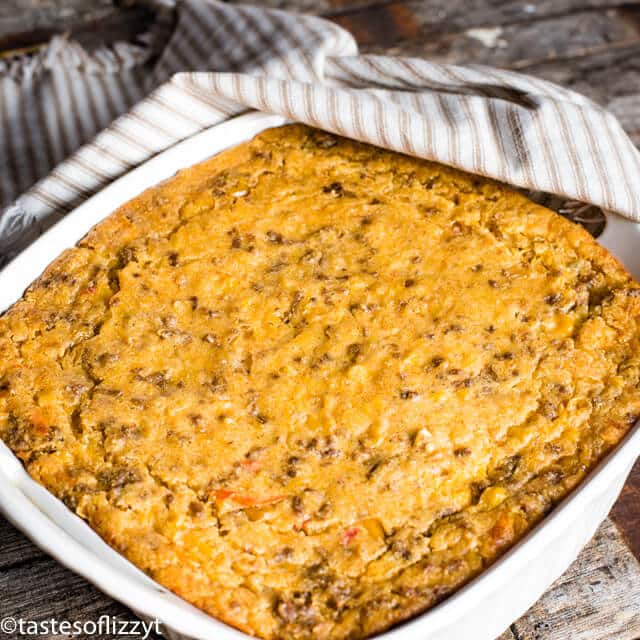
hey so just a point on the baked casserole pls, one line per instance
(313, 387)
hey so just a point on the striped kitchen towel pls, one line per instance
(86, 114)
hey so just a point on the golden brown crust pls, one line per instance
(313, 387)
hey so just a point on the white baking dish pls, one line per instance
(481, 610)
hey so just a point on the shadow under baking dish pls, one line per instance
(481, 610)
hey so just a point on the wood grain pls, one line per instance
(516, 46)
(447, 14)
(598, 597)
(29, 23)
(626, 511)
(33, 586)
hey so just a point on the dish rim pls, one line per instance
(39, 514)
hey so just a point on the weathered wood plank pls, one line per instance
(27, 23)
(23, 15)
(39, 589)
(15, 548)
(450, 14)
(519, 45)
(601, 74)
(626, 511)
(598, 596)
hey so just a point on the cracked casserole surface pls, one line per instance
(313, 387)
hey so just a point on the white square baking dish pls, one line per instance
(481, 610)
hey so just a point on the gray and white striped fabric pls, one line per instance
(223, 60)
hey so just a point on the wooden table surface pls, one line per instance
(592, 46)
